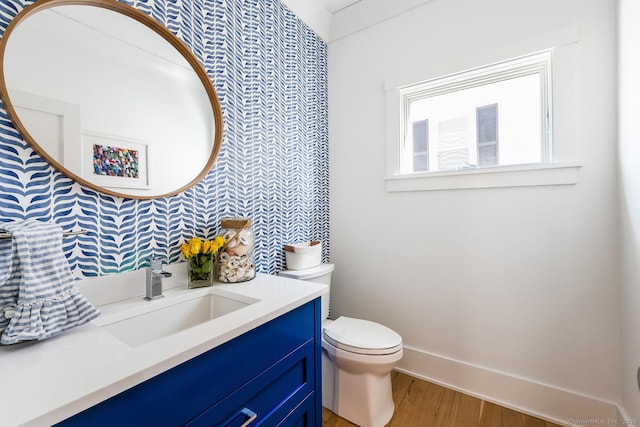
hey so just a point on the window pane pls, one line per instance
(487, 133)
(421, 146)
(488, 155)
(420, 136)
(420, 163)
(487, 123)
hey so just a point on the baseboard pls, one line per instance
(624, 419)
(560, 406)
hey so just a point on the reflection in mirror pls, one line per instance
(108, 100)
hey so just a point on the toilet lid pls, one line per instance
(362, 336)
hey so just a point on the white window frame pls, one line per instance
(544, 173)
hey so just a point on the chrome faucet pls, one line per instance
(154, 279)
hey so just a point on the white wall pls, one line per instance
(629, 136)
(509, 294)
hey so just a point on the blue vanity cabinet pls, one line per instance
(272, 372)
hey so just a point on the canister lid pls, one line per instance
(235, 223)
(308, 273)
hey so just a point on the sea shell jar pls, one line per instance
(235, 261)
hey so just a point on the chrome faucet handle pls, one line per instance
(156, 267)
(155, 264)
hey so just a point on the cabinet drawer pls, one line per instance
(303, 415)
(272, 395)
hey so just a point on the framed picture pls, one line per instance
(114, 161)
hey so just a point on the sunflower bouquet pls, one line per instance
(200, 256)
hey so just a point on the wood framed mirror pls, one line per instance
(110, 97)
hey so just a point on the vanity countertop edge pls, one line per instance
(48, 381)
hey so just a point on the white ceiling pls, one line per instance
(334, 6)
(336, 19)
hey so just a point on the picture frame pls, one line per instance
(115, 162)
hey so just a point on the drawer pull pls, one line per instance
(245, 416)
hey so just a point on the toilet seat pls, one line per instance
(362, 336)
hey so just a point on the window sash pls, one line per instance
(538, 63)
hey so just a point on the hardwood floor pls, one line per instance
(423, 404)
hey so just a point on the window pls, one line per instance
(497, 115)
(487, 135)
(421, 146)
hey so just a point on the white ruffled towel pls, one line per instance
(37, 296)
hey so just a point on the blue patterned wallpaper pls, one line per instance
(270, 72)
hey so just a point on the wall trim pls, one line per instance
(624, 419)
(504, 176)
(557, 405)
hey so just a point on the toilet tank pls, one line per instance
(320, 274)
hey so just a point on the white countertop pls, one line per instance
(44, 382)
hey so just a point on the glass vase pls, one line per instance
(235, 261)
(200, 271)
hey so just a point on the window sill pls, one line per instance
(507, 176)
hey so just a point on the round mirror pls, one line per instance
(110, 97)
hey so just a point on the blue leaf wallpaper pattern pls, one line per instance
(269, 70)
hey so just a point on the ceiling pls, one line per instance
(334, 6)
(336, 19)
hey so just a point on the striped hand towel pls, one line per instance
(37, 296)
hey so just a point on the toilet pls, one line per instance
(357, 359)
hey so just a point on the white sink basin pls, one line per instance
(148, 321)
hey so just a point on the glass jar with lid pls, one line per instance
(235, 261)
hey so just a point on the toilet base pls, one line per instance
(365, 399)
